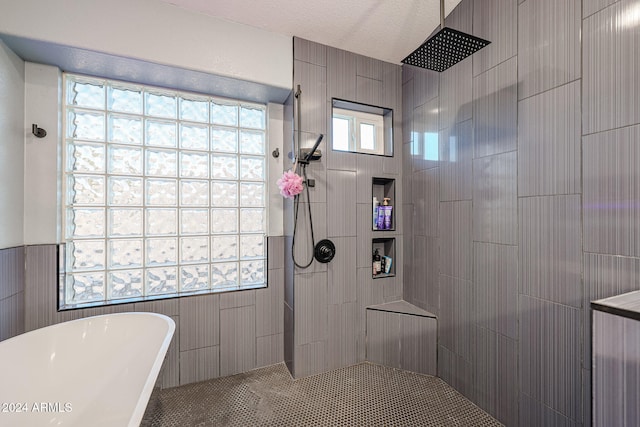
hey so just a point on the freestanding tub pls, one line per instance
(96, 371)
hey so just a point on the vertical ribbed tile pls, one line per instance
(496, 281)
(407, 176)
(456, 94)
(289, 344)
(425, 263)
(12, 316)
(549, 355)
(550, 251)
(424, 142)
(495, 110)
(535, 414)
(269, 350)
(418, 344)
(461, 17)
(425, 202)
(589, 7)
(549, 131)
(383, 338)
(392, 90)
(456, 321)
(369, 67)
(407, 110)
(237, 299)
(41, 284)
(199, 321)
(610, 49)
(496, 368)
(303, 246)
(200, 364)
(495, 199)
(11, 271)
(171, 366)
(611, 192)
(456, 157)
(275, 254)
(269, 305)
(368, 91)
(364, 211)
(548, 45)
(426, 85)
(631, 357)
(341, 272)
(310, 359)
(341, 74)
(311, 308)
(237, 340)
(609, 370)
(342, 347)
(313, 98)
(456, 250)
(605, 276)
(456, 371)
(308, 51)
(168, 307)
(341, 203)
(496, 21)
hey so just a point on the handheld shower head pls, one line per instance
(308, 153)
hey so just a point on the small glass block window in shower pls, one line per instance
(165, 193)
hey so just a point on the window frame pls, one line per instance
(67, 202)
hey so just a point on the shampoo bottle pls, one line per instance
(376, 207)
(377, 263)
(387, 208)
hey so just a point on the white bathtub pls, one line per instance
(97, 371)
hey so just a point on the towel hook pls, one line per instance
(39, 132)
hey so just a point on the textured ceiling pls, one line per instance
(383, 29)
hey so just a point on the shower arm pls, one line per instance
(441, 14)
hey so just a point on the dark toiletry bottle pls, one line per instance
(377, 263)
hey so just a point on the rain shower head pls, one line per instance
(446, 48)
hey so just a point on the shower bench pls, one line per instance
(401, 335)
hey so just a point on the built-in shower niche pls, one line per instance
(386, 246)
(382, 188)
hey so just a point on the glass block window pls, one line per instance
(164, 193)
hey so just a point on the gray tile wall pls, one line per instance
(539, 199)
(11, 292)
(325, 303)
(216, 334)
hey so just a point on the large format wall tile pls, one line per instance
(496, 281)
(549, 130)
(341, 74)
(535, 414)
(456, 251)
(11, 271)
(270, 306)
(589, 7)
(549, 355)
(496, 370)
(496, 21)
(495, 113)
(550, 255)
(495, 206)
(426, 289)
(199, 364)
(456, 321)
(424, 142)
(426, 85)
(308, 51)
(342, 336)
(237, 340)
(612, 192)
(457, 372)
(311, 308)
(548, 44)
(456, 162)
(313, 85)
(199, 322)
(456, 94)
(611, 98)
(425, 202)
(341, 272)
(341, 203)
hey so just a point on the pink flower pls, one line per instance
(290, 184)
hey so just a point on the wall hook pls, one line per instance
(276, 153)
(39, 132)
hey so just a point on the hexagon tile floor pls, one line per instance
(361, 395)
